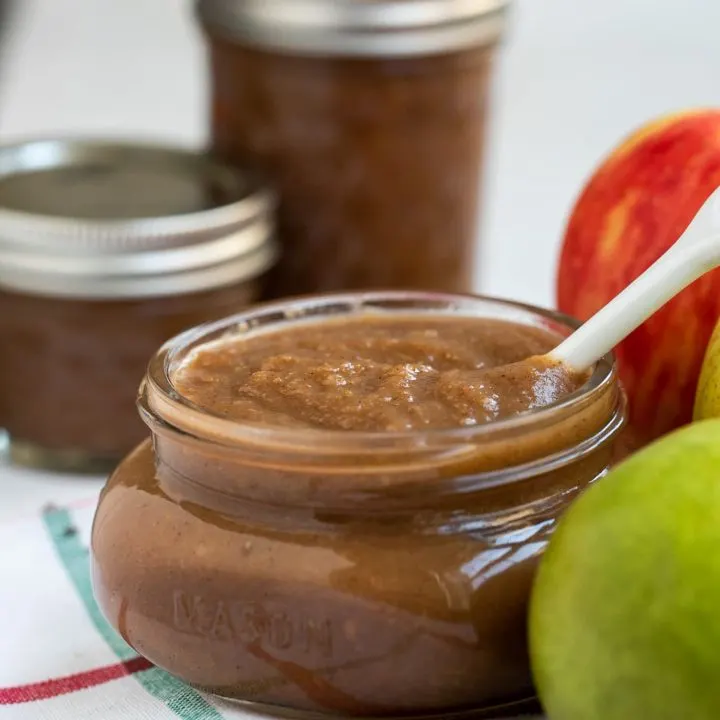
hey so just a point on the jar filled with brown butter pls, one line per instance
(326, 565)
(106, 250)
(369, 117)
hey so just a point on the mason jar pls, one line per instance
(370, 119)
(355, 573)
(107, 250)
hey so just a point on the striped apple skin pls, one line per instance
(633, 208)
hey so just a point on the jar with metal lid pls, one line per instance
(369, 118)
(106, 250)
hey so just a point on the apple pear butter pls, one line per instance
(378, 374)
(107, 249)
(346, 498)
(369, 118)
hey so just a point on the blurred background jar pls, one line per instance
(106, 251)
(369, 117)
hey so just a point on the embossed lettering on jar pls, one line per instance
(329, 567)
(369, 117)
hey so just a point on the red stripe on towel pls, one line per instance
(71, 683)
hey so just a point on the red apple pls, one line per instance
(634, 207)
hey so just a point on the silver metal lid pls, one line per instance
(358, 27)
(97, 219)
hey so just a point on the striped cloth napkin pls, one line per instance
(59, 658)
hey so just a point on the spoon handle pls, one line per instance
(672, 272)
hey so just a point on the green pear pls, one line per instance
(625, 611)
(707, 396)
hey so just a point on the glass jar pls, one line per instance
(361, 574)
(370, 119)
(106, 251)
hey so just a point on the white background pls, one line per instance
(573, 78)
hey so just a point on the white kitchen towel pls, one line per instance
(59, 658)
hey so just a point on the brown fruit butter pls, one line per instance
(75, 366)
(345, 501)
(370, 120)
(106, 251)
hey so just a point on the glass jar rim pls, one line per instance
(159, 401)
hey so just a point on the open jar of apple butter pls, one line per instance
(369, 118)
(345, 501)
(106, 251)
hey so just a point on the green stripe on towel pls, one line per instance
(185, 702)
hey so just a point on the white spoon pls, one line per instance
(695, 252)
